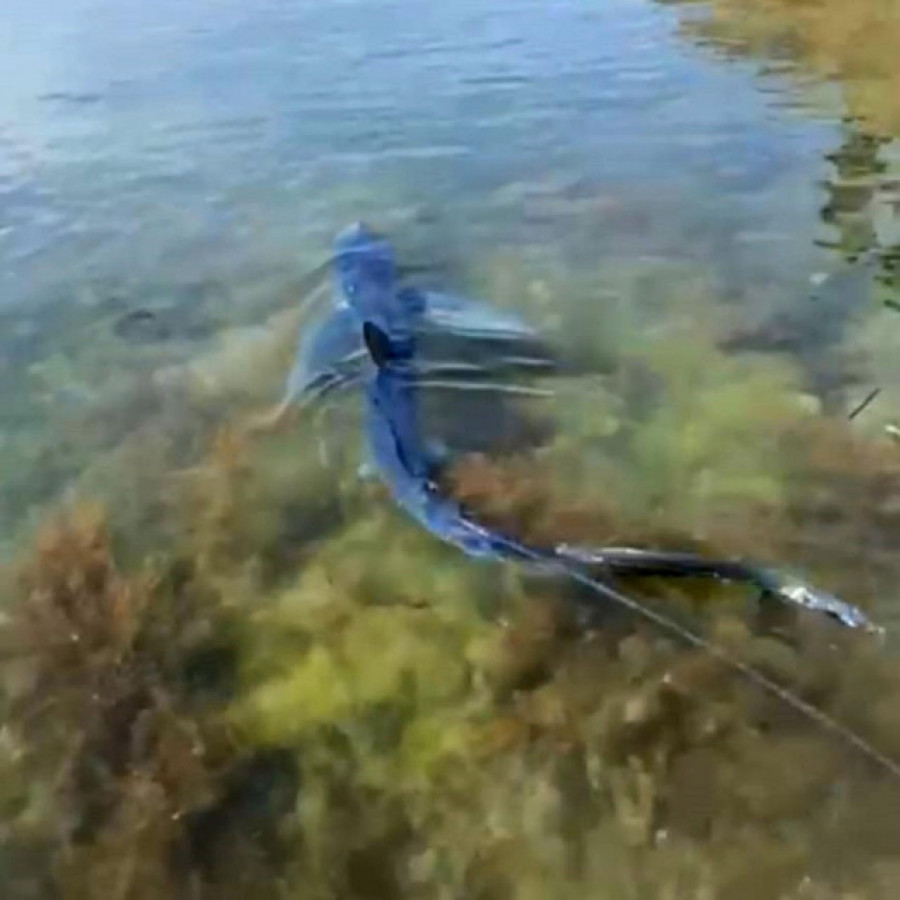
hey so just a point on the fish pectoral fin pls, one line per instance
(378, 344)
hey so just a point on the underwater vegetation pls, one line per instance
(250, 676)
(119, 778)
(78, 389)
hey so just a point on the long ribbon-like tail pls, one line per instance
(568, 569)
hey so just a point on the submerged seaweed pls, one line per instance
(130, 784)
(254, 679)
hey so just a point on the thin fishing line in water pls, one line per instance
(486, 542)
(874, 256)
(398, 451)
(822, 718)
(393, 445)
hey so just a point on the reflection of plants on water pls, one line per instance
(298, 694)
(852, 44)
(862, 210)
(850, 192)
(855, 46)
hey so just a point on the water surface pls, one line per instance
(698, 201)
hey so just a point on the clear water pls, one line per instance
(190, 162)
(152, 154)
(143, 143)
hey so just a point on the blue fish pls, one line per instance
(398, 451)
(376, 329)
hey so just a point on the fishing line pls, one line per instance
(666, 623)
(450, 524)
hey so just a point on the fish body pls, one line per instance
(397, 447)
(399, 454)
(633, 562)
(375, 332)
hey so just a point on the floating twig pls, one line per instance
(860, 408)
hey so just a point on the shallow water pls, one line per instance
(201, 159)
(699, 201)
(236, 137)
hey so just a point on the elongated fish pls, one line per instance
(398, 452)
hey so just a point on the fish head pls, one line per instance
(364, 266)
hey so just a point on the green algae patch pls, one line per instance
(110, 680)
(283, 688)
(372, 627)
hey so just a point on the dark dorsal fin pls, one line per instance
(378, 344)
